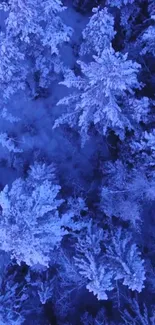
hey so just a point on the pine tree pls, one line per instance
(13, 70)
(39, 32)
(125, 191)
(99, 95)
(31, 226)
(90, 263)
(125, 260)
(98, 33)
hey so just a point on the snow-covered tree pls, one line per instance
(151, 7)
(148, 40)
(13, 70)
(8, 116)
(98, 100)
(39, 32)
(139, 151)
(124, 259)
(137, 109)
(40, 283)
(72, 218)
(11, 301)
(120, 260)
(36, 20)
(31, 226)
(128, 15)
(119, 3)
(124, 192)
(89, 261)
(68, 284)
(98, 33)
(127, 11)
(9, 143)
(142, 147)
